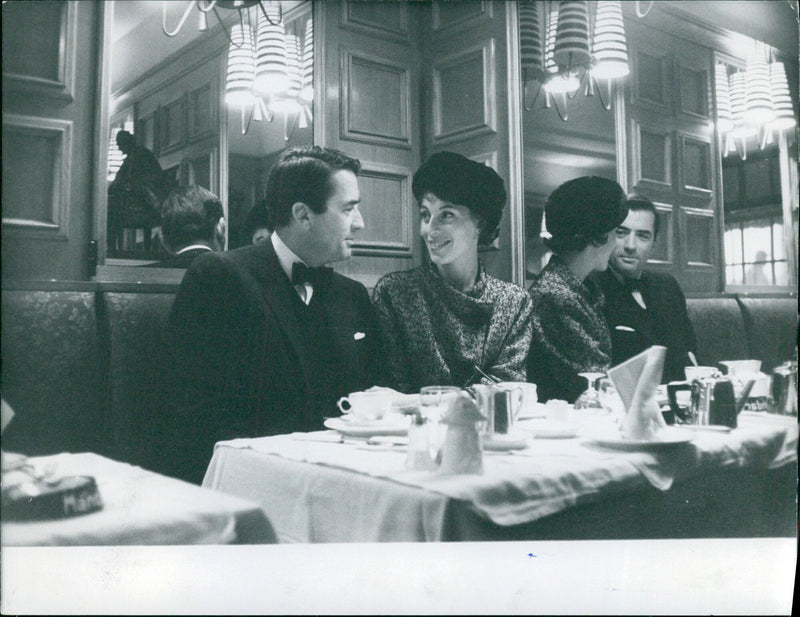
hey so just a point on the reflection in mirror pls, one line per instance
(568, 123)
(556, 151)
(760, 230)
(177, 88)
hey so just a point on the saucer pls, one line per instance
(550, 429)
(388, 426)
(504, 443)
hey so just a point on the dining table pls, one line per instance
(331, 486)
(138, 507)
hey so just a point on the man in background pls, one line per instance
(264, 339)
(192, 223)
(644, 308)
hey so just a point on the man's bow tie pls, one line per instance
(316, 277)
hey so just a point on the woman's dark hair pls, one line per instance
(303, 174)
(574, 243)
(459, 180)
(188, 214)
(583, 211)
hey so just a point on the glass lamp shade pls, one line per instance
(530, 40)
(741, 128)
(241, 68)
(271, 71)
(287, 102)
(724, 115)
(757, 95)
(572, 37)
(560, 83)
(307, 90)
(550, 40)
(781, 101)
(609, 48)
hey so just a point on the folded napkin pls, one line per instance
(637, 382)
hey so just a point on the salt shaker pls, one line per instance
(419, 456)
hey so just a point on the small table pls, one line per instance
(316, 488)
(141, 508)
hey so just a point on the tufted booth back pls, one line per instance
(79, 359)
(719, 328)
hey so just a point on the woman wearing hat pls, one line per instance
(448, 322)
(570, 334)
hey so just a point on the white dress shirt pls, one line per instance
(287, 258)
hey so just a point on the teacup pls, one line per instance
(524, 398)
(699, 372)
(366, 406)
(742, 367)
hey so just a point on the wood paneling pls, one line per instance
(387, 231)
(671, 154)
(379, 19)
(465, 94)
(54, 155)
(36, 179)
(39, 48)
(376, 101)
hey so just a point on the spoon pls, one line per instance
(693, 359)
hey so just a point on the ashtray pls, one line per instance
(37, 499)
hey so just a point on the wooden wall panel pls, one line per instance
(53, 155)
(671, 154)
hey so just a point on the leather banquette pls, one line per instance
(78, 359)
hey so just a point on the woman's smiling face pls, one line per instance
(450, 231)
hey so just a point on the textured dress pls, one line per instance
(570, 334)
(436, 335)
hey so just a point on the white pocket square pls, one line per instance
(358, 336)
(625, 328)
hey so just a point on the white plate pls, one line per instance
(668, 438)
(550, 429)
(504, 443)
(349, 428)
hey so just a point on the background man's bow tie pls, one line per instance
(316, 277)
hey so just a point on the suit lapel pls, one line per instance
(277, 296)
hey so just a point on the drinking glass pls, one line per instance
(434, 403)
(590, 398)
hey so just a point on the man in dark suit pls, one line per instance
(192, 223)
(644, 308)
(264, 339)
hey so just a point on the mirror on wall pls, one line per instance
(171, 90)
(759, 212)
(556, 150)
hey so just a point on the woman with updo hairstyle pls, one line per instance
(570, 334)
(448, 322)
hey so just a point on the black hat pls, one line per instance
(459, 180)
(586, 206)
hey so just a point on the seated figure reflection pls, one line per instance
(192, 223)
(136, 193)
(570, 335)
(448, 322)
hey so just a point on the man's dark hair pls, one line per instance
(303, 174)
(124, 140)
(189, 214)
(640, 202)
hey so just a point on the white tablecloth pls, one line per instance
(314, 487)
(143, 508)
